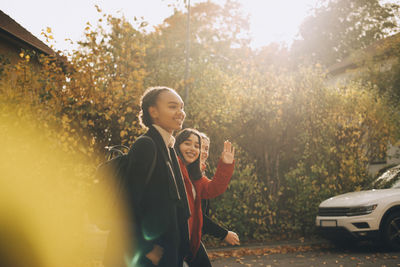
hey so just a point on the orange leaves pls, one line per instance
(123, 133)
(121, 120)
(98, 8)
(240, 252)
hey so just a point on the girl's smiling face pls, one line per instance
(168, 112)
(190, 149)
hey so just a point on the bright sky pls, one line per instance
(270, 20)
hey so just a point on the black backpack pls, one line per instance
(108, 188)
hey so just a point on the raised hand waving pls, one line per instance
(228, 154)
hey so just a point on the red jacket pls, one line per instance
(205, 188)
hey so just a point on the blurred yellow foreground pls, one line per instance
(43, 201)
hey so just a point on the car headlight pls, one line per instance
(356, 211)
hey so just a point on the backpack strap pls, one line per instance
(116, 150)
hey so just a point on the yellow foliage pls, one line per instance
(123, 133)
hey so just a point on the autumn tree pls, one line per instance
(307, 141)
(338, 27)
(216, 34)
(108, 80)
(380, 65)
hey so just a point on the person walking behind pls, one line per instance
(209, 226)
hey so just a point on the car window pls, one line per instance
(389, 179)
(396, 185)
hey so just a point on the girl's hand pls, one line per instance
(228, 154)
(232, 238)
(155, 255)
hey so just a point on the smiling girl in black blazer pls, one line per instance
(158, 206)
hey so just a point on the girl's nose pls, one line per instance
(182, 112)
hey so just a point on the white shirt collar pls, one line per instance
(169, 140)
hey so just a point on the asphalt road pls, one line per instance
(316, 256)
(317, 253)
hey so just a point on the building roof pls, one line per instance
(10, 26)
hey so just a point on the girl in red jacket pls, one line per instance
(188, 147)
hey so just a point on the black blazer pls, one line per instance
(209, 226)
(159, 208)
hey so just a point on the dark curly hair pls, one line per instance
(149, 99)
(193, 168)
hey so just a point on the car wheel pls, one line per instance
(391, 231)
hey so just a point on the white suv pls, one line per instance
(366, 214)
